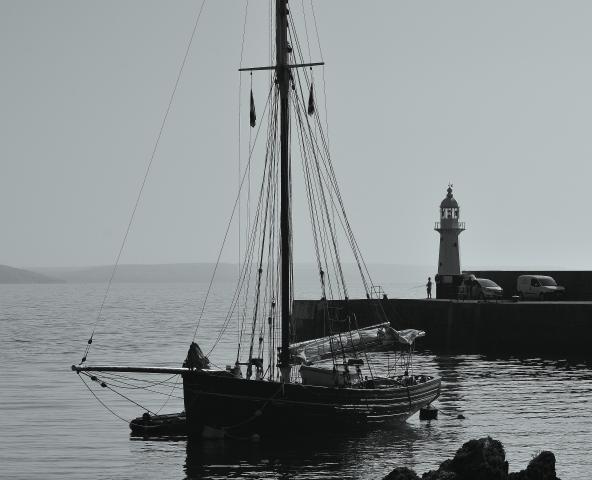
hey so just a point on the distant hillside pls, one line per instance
(165, 273)
(18, 275)
(304, 274)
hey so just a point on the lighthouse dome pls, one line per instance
(449, 201)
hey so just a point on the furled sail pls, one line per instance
(408, 336)
(375, 337)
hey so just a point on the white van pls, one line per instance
(538, 287)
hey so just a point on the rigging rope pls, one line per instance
(326, 176)
(114, 378)
(236, 296)
(327, 223)
(306, 31)
(240, 85)
(248, 227)
(170, 395)
(139, 196)
(269, 172)
(228, 227)
(328, 165)
(104, 384)
(324, 204)
(101, 401)
(323, 70)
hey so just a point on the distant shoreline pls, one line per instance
(189, 273)
(11, 275)
(202, 272)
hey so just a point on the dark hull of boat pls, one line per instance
(169, 425)
(235, 405)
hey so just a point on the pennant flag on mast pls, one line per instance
(311, 105)
(252, 114)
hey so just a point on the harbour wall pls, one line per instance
(493, 327)
(578, 284)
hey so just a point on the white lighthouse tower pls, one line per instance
(449, 228)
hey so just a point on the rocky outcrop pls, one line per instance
(483, 459)
(402, 473)
(541, 467)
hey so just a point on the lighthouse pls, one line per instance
(449, 227)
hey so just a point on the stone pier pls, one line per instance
(491, 327)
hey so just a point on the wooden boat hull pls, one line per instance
(236, 405)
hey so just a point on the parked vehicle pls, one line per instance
(483, 288)
(538, 287)
(474, 288)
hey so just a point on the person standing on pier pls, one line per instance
(429, 287)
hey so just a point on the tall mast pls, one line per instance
(283, 81)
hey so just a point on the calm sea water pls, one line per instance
(52, 427)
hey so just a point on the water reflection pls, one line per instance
(450, 371)
(328, 455)
(224, 459)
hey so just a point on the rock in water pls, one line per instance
(402, 473)
(541, 467)
(483, 459)
(440, 475)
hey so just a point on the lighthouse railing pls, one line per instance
(452, 225)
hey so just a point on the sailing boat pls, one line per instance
(327, 383)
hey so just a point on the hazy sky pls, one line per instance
(493, 96)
